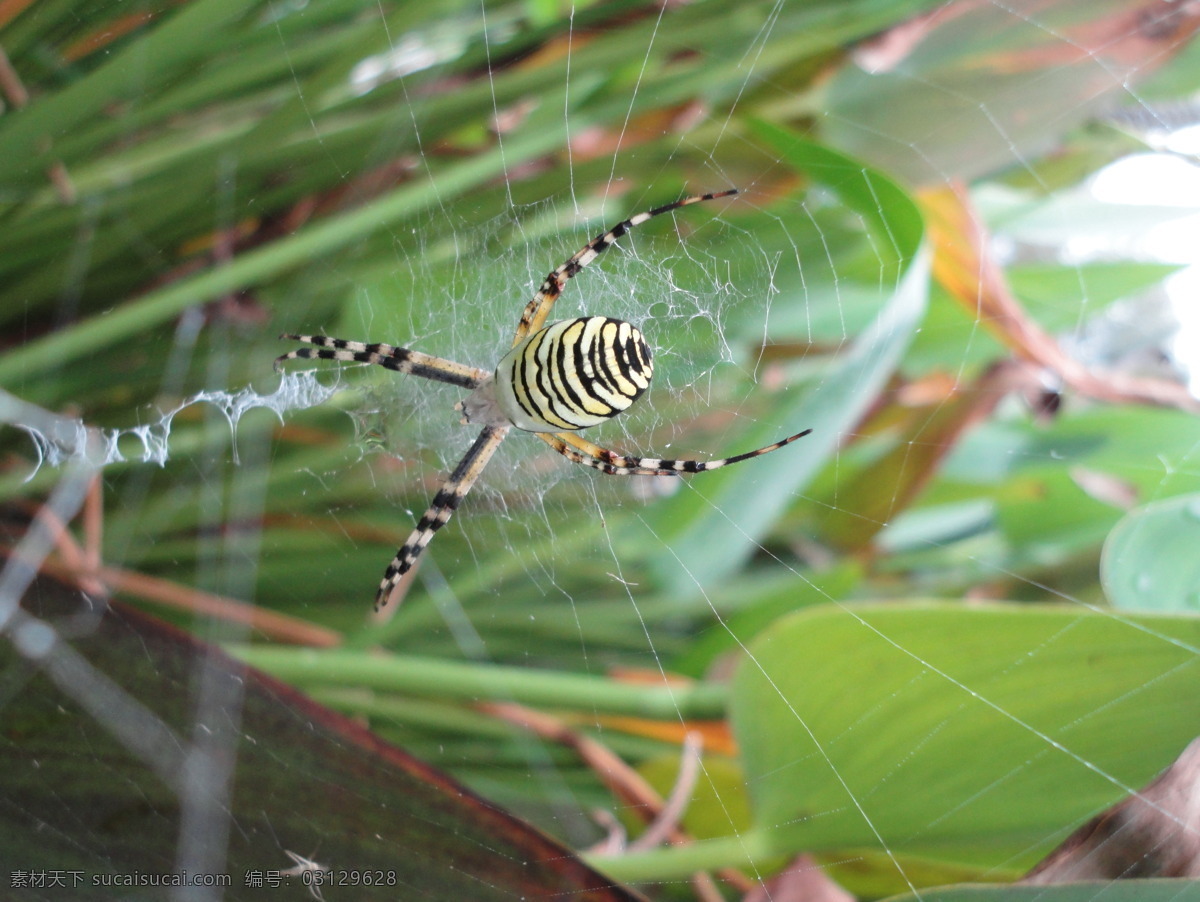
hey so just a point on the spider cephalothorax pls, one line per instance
(556, 380)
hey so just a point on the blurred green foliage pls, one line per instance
(185, 181)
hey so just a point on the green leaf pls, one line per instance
(474, 682)
(1056, 294)
(714, 528)
(1150, 562)
(163, 55)
(971, 734)
(323, 237)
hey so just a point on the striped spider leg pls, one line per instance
(591, 455)
(461, 480)
(557, 379)
(538, 308)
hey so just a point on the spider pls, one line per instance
(557, 379)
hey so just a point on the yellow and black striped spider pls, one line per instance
(556, 380)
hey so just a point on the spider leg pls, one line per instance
(538, 308)
(402, 360)
(441, 509)
(592, 455)
(566, 445)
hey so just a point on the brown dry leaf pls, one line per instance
(1155, 833)
(965, 266)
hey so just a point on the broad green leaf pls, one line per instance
(971, 734)
(913, 734)
(1150, 560)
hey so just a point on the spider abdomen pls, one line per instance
(573, 374)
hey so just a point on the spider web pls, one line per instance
(938, 480)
